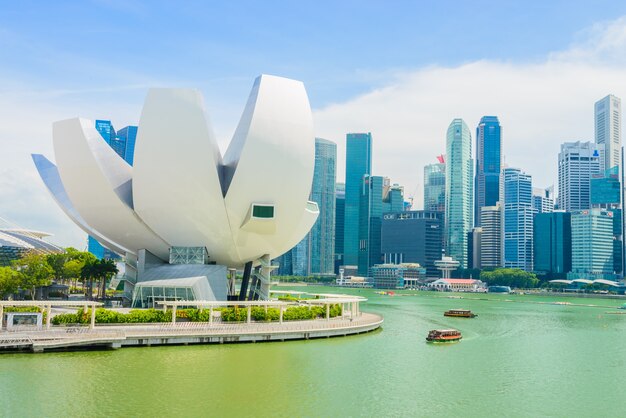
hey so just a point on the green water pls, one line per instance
(518, 358)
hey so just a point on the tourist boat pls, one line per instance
(460, 313)
(443, 336)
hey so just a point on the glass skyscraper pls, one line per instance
(518, 219)
(123, 143)
(358, 164)
(552, 243)
(435, 186)
(340, 206)
(370, 223)
(323, 193)
(608, 130)
(592, 244)
(488, 164)
(459, 190)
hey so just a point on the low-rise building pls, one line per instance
(397, 276)
(458, 285)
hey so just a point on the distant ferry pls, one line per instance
(443, 336)
(460, 313)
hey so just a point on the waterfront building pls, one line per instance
(456, 285)
(543, 199)
(435, 186)
(397, 276)
(488, 164)
(16, 242)
(189, 208)
(606, 194)
(340, 206)
(491, 236)
(474, 240)
(552, 243)
(413, 237)
(518, 219)
(370, 222)
(358, 164)
(459, 190)
(592, 244)
(578, 162)
(447, 265)
(608, 130)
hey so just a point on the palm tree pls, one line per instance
(106, 270)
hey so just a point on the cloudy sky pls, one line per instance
(401, 70)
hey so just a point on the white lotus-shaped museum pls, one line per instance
(250, 203)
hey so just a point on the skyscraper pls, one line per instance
(592, 244)
(488, 164)
(543, 199)
(606, 194)
(340, 206)
(491, 237)
(608, 130)
(518, 219)
(370, 223)
(435, 186)
(552, 243)
(123, 143)
(323, 193)
(459, 190)
(358, 164)
(578, 161)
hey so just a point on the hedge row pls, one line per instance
(232, 314)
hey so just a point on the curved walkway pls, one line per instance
(116, 336)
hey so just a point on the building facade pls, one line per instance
(488, 164)
(322, 235)
(370, 222)
(578, 162)
(543, 199)
(435, 186)
(413, 237)
(358, 164)
(606, 194)
(552, 243)
(397, 276)
(474, 241)
(608, 130)
(459, 190)
(592, 244)
(491, 236)
(518, 219)
(340, 208)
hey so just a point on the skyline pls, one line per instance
(406, 103)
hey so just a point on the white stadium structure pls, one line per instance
(183, 210)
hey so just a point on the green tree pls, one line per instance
(9, 281)
(34, 271)
(57, 262)
(509, 277)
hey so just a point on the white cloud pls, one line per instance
(540, 105)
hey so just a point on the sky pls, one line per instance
(401, 70)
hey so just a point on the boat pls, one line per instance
(460, 313)
(444, 336)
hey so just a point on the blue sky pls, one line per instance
(401, 70)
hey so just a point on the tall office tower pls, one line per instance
(340, 205)
(606, 194)
(578, 161)
(128, 136)
(323, 193)
(123, 143)
(413, 237)
(435, 186)
(552, 243)
(474, 240)
(459, 190)
(543, 199)
(358, 164)
(393, 197)
(370, 222)
(518, 219)
(592, 244)
(488, 164)
(608, 129)
(491, 237)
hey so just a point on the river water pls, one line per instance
(522, 357)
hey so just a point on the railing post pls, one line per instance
(281, 314)
(328, 311)
(173, 313)
(249, 313)
(211, 315)
(48, 315)
(1, 315)
(93, 316)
